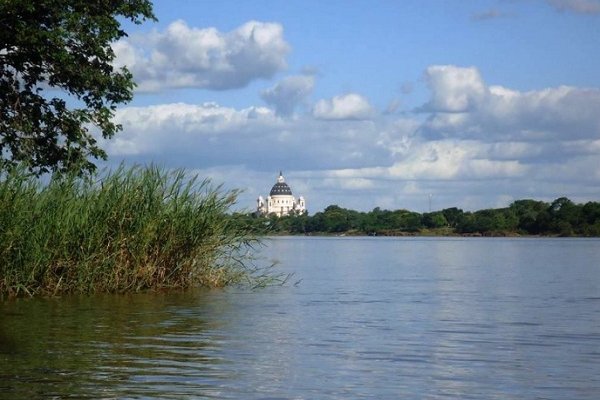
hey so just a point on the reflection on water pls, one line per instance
(111, 346)
(371, 318)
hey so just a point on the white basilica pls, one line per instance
(280, 201)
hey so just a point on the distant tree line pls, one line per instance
(562, 217)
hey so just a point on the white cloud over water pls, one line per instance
(463, 105)
(470, 144)
(186, 57)
(205, 135)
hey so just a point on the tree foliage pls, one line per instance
(562, 217)
(58, 82)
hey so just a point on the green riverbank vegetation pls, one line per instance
(122, 231)
(79, 231)
(562, 217)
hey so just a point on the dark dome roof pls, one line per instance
(281, 188)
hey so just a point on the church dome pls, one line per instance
(280, 188)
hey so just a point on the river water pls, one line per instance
(362, 318)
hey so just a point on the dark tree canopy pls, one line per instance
(562, 217)
(57, 80)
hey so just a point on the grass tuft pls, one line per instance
(131, 229)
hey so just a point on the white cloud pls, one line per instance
(289, 93)
(443, 160)
(187, 57)
(183, 129)
(576, 6)
(351, 106)
(200, 136)
(462, 105)
(477, 145)
(454, 89)
(348, 183)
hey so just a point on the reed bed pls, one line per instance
(126, 230)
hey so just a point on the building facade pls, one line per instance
(280, 201)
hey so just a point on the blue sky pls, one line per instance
(371, 103)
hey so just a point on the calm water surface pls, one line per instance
(371, 318)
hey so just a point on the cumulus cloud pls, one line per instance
(187, 57)
(472, 145)
(484, 146)
(286, 95)
(576, 6)
(204, 135)
(462, 105)
(179, 128)
(350, 106)
(453, 89)
(349, 183)
(442, 160)
(473, 174)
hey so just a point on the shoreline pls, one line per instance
(428, 234)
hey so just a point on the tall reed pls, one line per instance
(127, 230)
